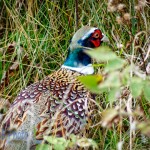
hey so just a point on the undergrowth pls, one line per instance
(34, 39)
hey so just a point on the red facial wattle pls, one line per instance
(96, 42)
(96, 38)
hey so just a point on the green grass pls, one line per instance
(36, 35)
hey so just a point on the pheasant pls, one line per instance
(58, 104)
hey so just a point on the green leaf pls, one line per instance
(112, 81)
(59, 147)
(146, 90)
(112, 94)
(43, 147)
(126, 75)
(58, 143)
(102, 54)
(114, 64)
(136, 86)
(91, 82)
(61, 140)
(73, 140)
(51, 139)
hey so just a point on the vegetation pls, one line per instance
(34, 37)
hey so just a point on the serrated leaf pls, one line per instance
(136, 86)
(112, 81)
(114, 64)
(102, 54)
(146, 90)
(91, 82)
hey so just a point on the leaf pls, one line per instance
(136, 86)
(50, 139)
(112, 95)
(102, 54)
(91, 82)
(73, 138)
(72, 141)
(126, 75)
(112, 81)
(146, 90)
(59, 143)
(43, 147)
(84, 142)
(59, 147)
(114, 64)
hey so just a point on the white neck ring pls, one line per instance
(83, 69)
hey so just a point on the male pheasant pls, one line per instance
(56, 105)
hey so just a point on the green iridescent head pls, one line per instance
(85, 38)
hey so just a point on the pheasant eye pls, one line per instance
(96, 35)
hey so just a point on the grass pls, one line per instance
(34, 40)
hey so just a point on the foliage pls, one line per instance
(61, 143)
(118, 74)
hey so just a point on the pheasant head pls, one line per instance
(86, 38)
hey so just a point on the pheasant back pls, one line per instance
(57, 105)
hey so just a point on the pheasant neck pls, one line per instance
(78, 61)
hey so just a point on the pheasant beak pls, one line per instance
(105, 38)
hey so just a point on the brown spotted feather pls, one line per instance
(57, 105)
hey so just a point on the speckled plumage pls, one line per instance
(57, 105)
